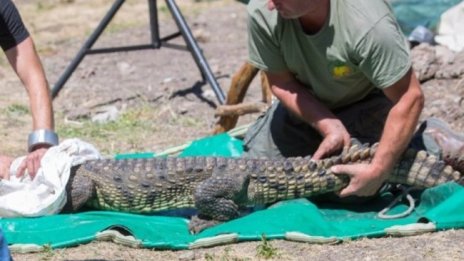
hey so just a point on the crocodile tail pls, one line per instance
(458, 165)
(456, 162)
(420, 169)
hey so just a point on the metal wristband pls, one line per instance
(41, 137)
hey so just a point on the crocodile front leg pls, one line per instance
(219, 199)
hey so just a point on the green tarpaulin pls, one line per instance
(300, 220)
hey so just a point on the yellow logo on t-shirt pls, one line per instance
(341, 71)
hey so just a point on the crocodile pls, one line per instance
(219, 188)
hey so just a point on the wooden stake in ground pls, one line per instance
(266, 89)
(237, 90)
(240, 109)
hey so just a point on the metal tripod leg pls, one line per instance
(157, 42)
(195, 50)
(86, 47)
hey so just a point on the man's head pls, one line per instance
(292, 9)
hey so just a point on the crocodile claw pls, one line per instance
(198, 224)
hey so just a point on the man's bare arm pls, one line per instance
(26, 63)
(299, 100)
(400, 125)
(401, 121)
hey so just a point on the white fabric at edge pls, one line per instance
(45, 195)
(450, 28)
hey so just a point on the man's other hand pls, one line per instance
(31, 163)
(336, 138)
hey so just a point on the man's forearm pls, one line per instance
(303, 104)
(399, 128)
(41, 108)
(26, 63)
(39, 96)
(300, 101)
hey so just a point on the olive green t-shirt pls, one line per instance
(359, 48)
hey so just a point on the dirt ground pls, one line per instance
(159, 104)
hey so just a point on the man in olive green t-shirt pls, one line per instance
(340, 69)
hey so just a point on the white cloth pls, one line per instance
(45, 194)
(451, 28)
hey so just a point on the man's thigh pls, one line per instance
(278, 134)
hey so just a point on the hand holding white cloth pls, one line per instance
(45, 194)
